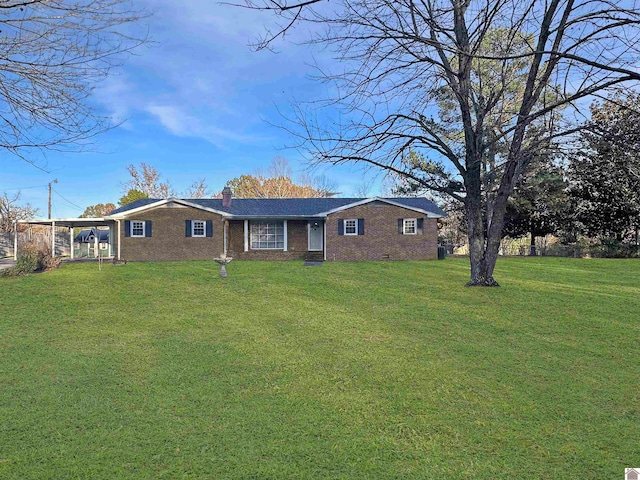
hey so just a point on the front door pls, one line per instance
(316, 235)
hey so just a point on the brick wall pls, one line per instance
(296, 243)
(381, 240)
(168, 240)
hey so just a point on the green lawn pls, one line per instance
(364, 370)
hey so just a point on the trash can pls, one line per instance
(442, 253)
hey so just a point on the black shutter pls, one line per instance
(340, 227)
(127, 228)
(209, 230)
(147, 228)
(420, 226)
(187, 228)
(361, 226)
(400, 226)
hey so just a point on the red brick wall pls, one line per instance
(168, 240)
(381, 240)
(296, 243)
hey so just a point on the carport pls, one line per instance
(70, 224)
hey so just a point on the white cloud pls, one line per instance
(182, 124)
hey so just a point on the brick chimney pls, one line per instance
(226, 197)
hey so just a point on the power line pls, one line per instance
(23, 188)
(68, 201)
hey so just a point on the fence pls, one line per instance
(63, 244)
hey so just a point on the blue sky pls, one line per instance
(196, 105)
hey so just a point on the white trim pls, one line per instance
(379, 199)
(90, 221)
(193, 228)
(284, 232)
(321, 224)
(131, 227)
(160, 203)
(71, 242)
(344, 226)
(404, 226)
(246, 235)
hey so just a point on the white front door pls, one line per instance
(316, 236)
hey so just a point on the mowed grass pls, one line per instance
(355, 370)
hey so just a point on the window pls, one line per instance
(104, 246)
(198, 228)
(137, 228)
(409, 226)
(267, 235)
(351, 227)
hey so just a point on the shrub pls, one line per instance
(32, 258)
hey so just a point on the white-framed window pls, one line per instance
(76, 246)
(351, 227)
(267, 235)
(137, 228)
(409, 226)
(104, 246)
(198, 228)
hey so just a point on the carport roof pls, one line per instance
(69, 222)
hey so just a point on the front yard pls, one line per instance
(365, 370)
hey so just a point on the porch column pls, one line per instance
(224, 237)
(71, 241)
(15, 240)
(118, 227)
(53, 239)
(324, 240)
(246, 235)
(285, 235)
(96, 254)
(111, 234)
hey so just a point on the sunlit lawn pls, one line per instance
(363, 370)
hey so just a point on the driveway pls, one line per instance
(6, 263)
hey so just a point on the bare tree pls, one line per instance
(147, 180)
(479, 88)
(52, 54)
(198, 189)
(277, 182)
(10, 211)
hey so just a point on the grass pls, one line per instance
(346, 371)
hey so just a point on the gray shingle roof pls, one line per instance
(286, 207)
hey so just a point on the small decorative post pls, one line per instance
(223, 260)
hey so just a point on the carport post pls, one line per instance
(15, 240)
(71, 241)
(53, 239)
(95, 243)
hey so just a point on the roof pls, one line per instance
(287, 207)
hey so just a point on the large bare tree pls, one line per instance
(11, 211)
(479, 87)
(52, 54)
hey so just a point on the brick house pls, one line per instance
(333, 229)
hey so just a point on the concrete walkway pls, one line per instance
(6, 263)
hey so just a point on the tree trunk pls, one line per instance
(481, 258)
(532, 246)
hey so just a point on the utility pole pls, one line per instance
(55, 180)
